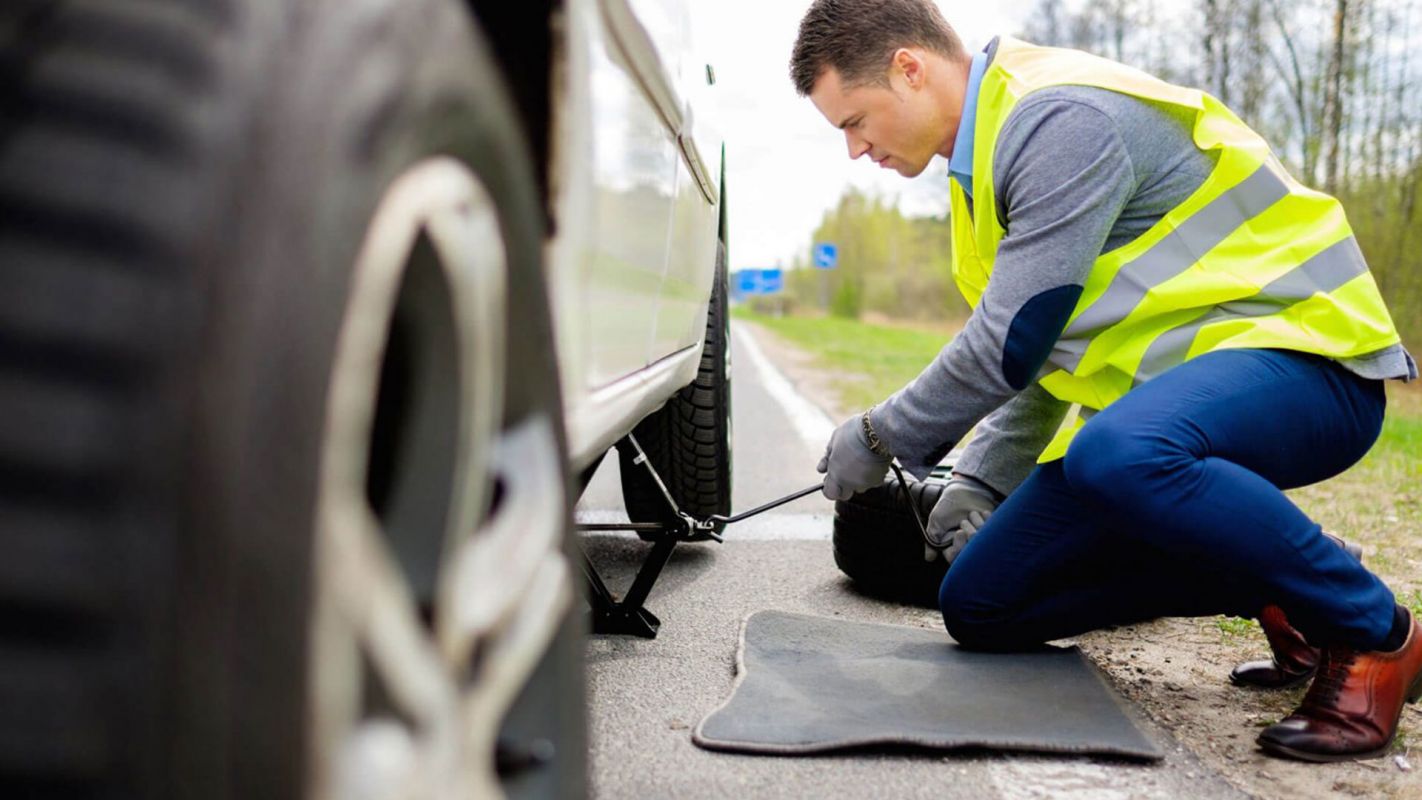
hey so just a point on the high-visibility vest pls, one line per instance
(1252, 259)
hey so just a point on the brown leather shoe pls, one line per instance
(1293, 659)
(1352, 708)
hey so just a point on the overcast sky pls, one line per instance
(785, 164)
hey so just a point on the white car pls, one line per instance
(315, 311)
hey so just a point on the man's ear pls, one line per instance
(912, 66)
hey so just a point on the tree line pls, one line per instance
(1331, 84)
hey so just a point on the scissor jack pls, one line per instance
(630, 616)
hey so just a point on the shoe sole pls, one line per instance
(1276, 749)
(1289, 684)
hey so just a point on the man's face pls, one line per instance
(899, 127)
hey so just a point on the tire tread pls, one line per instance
(101, 108)
(878, 545)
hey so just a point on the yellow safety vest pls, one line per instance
(1252, 259)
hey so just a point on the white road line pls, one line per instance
(809, 421)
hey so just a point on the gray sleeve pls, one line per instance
(1063, 175)
(1005, 448)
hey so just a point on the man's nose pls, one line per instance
(857, 146)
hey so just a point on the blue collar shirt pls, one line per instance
(960, 166)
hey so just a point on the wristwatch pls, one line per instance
(876, 446)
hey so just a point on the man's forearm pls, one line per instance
(921, 422)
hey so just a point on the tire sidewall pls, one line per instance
(878, 545)
(352, 96)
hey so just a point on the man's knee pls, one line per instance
(973, 623)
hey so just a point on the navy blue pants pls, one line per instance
(1170, 503)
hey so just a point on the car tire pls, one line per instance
(688, 440)
(184, 190)
(878, 545)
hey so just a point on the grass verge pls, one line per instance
(867, 362)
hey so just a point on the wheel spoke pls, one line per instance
(515, 654)
(466, 234)
(380, 761)
(498, 569)
(504, 584)
(374, 598)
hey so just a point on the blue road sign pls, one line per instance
(772, 281)
(826, 255)
(760, 281)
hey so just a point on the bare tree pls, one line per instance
(1045, 25)
(1254, 84)
(1118, 21)
(1209, 44)
(1291, 71)
(1333, 96)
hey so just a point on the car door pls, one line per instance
(631, 170)
(657, 36)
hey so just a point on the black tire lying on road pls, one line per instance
(688, 440)
(877, 542)
(185, 188)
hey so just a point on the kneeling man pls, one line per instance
(1168, 332)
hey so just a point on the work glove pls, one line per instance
(962, 509)
(849, 465)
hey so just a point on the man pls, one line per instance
(1168, 323)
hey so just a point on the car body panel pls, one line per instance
(681, 312)
(636, 213)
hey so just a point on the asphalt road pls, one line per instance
(647, 695)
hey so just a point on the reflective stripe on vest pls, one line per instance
(1252, 259)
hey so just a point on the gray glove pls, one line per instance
(963, 508)
(849, 466)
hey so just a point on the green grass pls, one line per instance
(1413, 601)
(1402, 437)
(871, 362)
(1232, 627)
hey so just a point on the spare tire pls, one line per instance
(877, 542)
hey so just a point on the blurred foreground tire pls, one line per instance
(688, 440)
(284, 503)
(877, 542)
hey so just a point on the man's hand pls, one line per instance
(849, 466)
(962, 509)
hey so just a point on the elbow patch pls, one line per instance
(1033, 333)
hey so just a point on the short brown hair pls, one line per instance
(859, 37)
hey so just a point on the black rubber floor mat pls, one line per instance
(809, 684)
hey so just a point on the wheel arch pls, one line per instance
(521, 38)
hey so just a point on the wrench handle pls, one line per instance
(772, 504)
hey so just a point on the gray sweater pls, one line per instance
(1078, 171)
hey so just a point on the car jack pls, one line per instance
(630, 615)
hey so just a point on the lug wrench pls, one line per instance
(898, 473)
